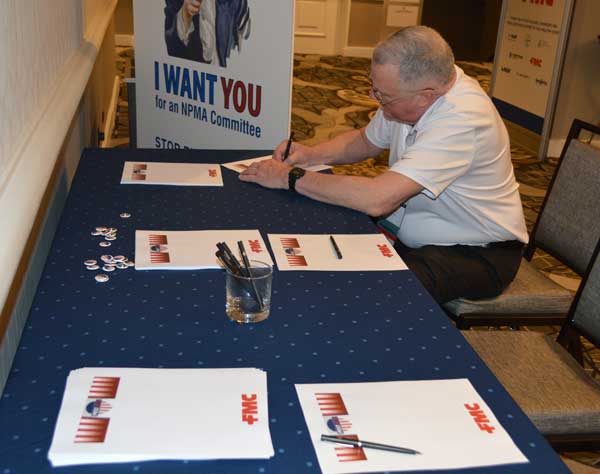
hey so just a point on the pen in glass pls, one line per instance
(368, 444)
(338, 253)
(287, 148)
(248, 267)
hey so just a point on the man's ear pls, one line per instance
(427, 96)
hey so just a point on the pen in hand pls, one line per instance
(287, 148)
(368, 444)
(338, 253)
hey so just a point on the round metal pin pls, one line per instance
(107, 258)
(122, 265)
(92, 267)
(102, 278)
(87, 263)
(125, 215)
(108, 268)
(104, 244)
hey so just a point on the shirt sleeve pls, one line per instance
(379, 131)
(440, 154)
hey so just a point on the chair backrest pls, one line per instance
(568, 226)
(584, 314)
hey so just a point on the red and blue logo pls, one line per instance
(97, 407)
(339, 425)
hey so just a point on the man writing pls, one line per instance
(450, 188)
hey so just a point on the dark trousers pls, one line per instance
(463, 271)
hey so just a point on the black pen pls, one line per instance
(230, 259)
(335, 247)
(368, 444)
(287, 148)
(247, 266)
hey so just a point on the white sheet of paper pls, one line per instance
(430, 416)
(174, 174)
(360, 252)
(125, 414)
(239, 166)
(194, 249)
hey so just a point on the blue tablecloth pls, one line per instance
(324, 327)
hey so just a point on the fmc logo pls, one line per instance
(480, 418)
(537, 62)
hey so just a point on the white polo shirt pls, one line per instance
(459, 152)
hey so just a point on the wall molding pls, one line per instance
(30, 168)
(358, 51)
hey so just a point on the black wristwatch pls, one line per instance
(294, 175)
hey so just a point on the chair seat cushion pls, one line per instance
(545, 381)
(530, 292)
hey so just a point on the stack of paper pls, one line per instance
(241, 165)
(446, 421)
(122, 414)
(175, 174)
(360, 252)
(189, 250)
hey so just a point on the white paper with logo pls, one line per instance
(173, 174)
(360, 252)
(125, 414)
(239, 166)
(194, 249)
(445, 420)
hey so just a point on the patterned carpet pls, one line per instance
(331, 95)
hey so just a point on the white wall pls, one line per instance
(37, 37)
(49, 110)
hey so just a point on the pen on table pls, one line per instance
(335, 247)
(287, 148)
(249, 274)
(368, 444)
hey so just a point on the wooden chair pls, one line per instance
(568, 226)
(544, 377)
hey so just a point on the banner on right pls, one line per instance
(527, 66)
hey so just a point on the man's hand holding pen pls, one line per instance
(299, 155)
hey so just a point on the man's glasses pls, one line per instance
(382, 102)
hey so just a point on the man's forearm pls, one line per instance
(373, 196)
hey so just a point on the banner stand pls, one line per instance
(528, 63)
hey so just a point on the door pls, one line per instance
(317, 26)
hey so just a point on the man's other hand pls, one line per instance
(268, 173)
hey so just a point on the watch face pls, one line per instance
(293, 176)
(297, 172)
